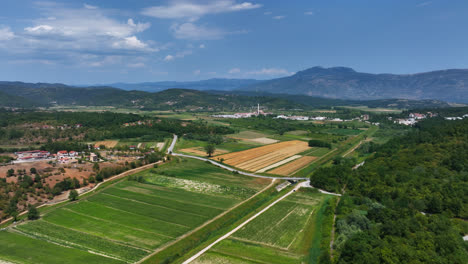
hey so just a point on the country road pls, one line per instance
(170, 150)
(299, 185)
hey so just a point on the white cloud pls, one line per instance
(90, 6)
(6, 33)
(169, 58)
(309, 13)
(194, 32)
(68, 34)
(202, 46)
(424, 4)
(267, 13)
(131, 42)
(196, 72)
(136, 65)
(278, 17)
(270, 71)
(187, 9)
(178, 55)
(234, 70)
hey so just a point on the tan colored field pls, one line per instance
(201, 152)
(107, 143)
(294, 166)
(261, 157)
(264, 140)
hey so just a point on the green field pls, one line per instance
(283, 234)
(129, 219)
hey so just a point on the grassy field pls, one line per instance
(130, 219)
(283, 234)
(230, 146)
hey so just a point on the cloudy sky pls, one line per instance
(105, 41)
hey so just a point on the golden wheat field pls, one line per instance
(294, 166)
(261, 157)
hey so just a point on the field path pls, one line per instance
(299, 185)
(206, 223)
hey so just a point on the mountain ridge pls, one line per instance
(346, 83)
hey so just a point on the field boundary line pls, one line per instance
(113, 223)
(65, 243)
(142, 216)
(241, 225)
(207, 223)
(180, 201)
(116, 177)
(255, 242)
(108, 239)
(155, 205)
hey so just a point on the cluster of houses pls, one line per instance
(32, 155)
(456, 117)
(62, 127)
(413, 118)
(138, 123)
(63, 156)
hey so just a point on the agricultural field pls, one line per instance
(253, 136)
(284, 234)
(131, 218)
(107, 143)
(291, 167)
(261, 157)
(201, 152)
(229, 146)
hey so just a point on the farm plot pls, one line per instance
(130, 219)
(293, 166)
(277, 236)
(261, 157)
(106, 143)
(253, 136)
(201, 152)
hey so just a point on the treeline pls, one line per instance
(319, 143)
(399, 206)
(28, 127)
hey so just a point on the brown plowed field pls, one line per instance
(107, 143)
(293, 166)
(258, 158)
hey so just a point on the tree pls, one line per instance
(96, 167)
(33, 171)
(33, 214)
(210, 149)
(73, 196)
(10, 172)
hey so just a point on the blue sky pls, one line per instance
(105, 41)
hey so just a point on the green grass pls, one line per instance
(249, 134)
(280, 235)
(229, 146)
(23, 249)
(127, 220)
(75, 239)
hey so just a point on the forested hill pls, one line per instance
(345, 83)
(402, 206)
(18, 94)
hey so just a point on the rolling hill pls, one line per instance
(346, 83)
(18, 94)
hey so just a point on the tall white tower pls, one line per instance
(258, 109)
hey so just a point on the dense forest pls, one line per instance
(402, 206)
(39, 128)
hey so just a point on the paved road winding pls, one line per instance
(171, 148)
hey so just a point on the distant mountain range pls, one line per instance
(18, 94)
(345, 83)
(211, 84)
(337, 83)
